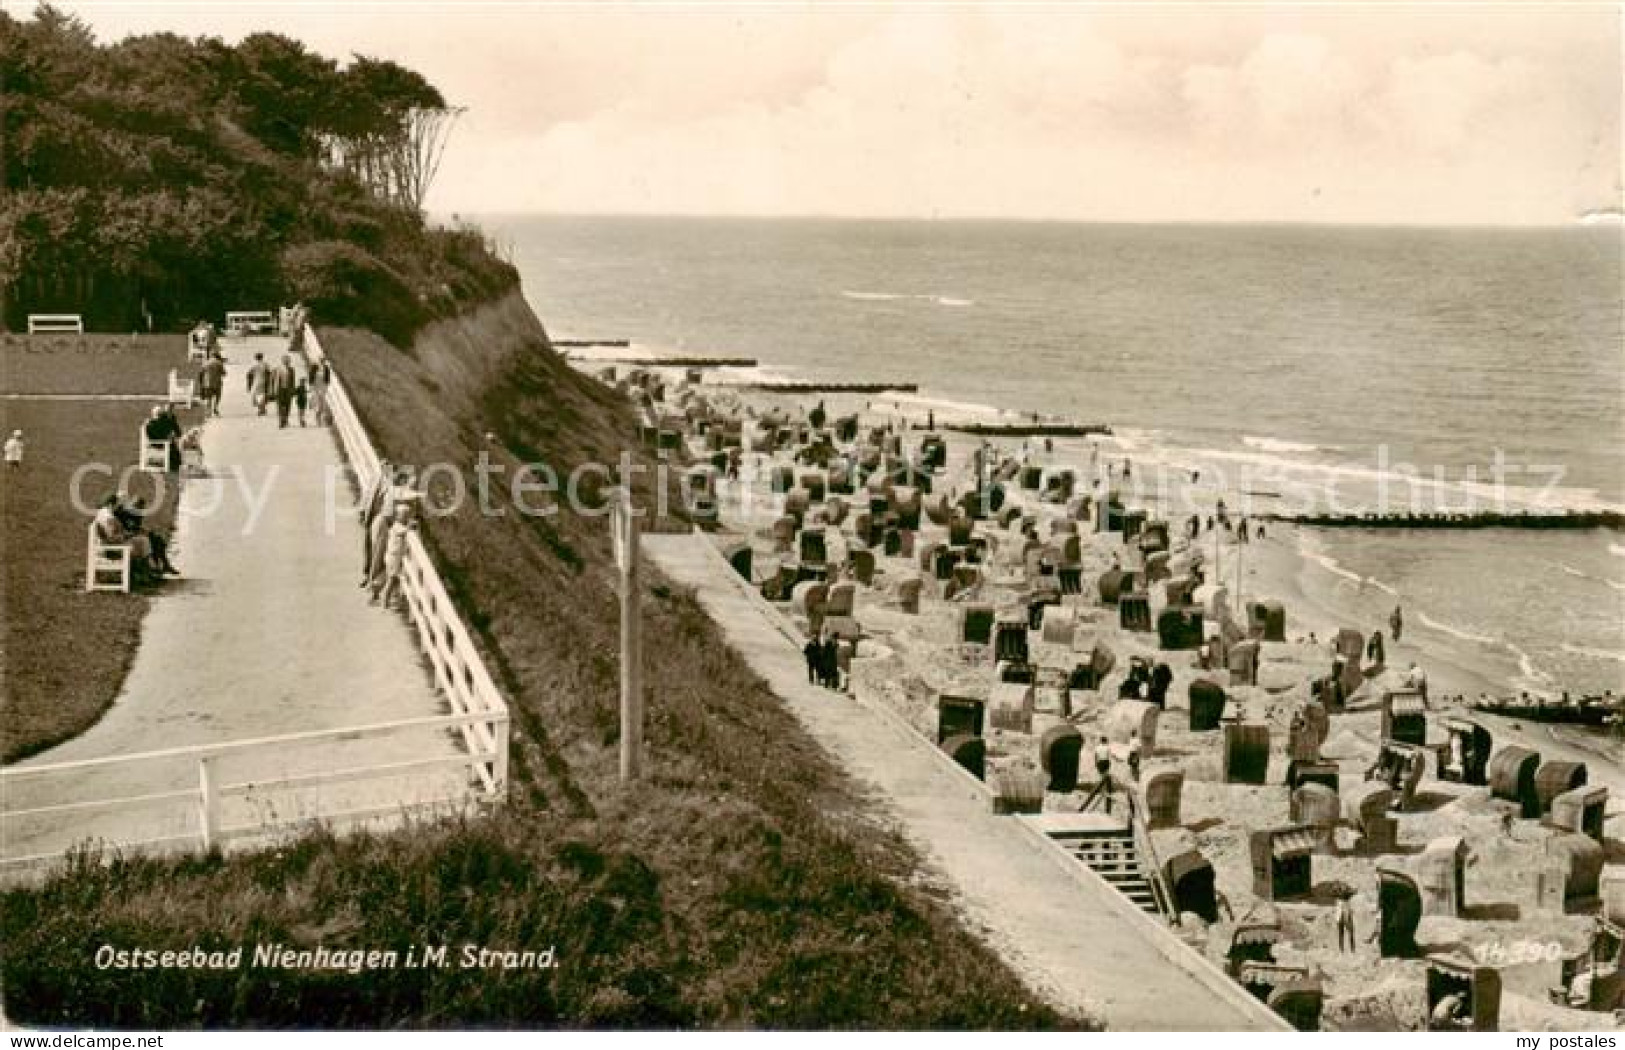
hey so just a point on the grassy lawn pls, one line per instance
(65, 652)
(743, 883)
(92, 364)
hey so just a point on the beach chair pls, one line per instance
(154, 455)
(107, 565)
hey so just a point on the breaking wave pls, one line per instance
(1268, 444)
(1600, 654)
(1455, 632)
(887, 297)
(1579, 574)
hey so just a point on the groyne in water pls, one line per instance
(1602, 519)
(1022, 430)
(830, 388)
(620, 344)
(679, 362)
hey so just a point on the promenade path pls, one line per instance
(1052, 922)
(265, 633)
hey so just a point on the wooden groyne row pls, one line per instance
(829, 388)
(1477, 520)
(1023, 430)
(621, 344)
(679, 362)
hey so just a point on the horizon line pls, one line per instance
(1610, 219)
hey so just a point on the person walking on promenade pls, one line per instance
(301, 397)
(1345, 924)
(211, 382)
(14, 450)
(282, 386)
(259, 378)
(1396, 623)
(321, 377)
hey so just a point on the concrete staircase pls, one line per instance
(1111, 853)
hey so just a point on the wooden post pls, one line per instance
(208, 803)
(625, 526)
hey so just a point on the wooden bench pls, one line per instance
(242, 323)
(107, 565)
(56, 324)
(154, 455)
(181, 393)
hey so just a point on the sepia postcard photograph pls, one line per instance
(769, 517)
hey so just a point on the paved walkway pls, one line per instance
(1054, 924)
(265, 633)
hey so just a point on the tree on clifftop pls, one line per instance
(160, 179)
(388, 127)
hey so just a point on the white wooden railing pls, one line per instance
(185, 792)
(269, 801)
(459, 671)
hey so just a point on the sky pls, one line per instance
(1448, 113)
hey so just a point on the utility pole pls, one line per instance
(624, 529)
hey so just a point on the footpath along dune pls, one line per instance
(265, 633)
(1056, 927)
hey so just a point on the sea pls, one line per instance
(1384, 368)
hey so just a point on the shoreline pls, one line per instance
(1180, 481)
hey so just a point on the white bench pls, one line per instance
(248, 322)
(181, 393)
(107, 565)
(56, 324)
(154, 455)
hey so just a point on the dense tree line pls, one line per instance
(160, 179)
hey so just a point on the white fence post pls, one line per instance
(208, 803)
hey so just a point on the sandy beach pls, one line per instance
(906, 660)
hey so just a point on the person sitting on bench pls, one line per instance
(163, 426)
(132, 519)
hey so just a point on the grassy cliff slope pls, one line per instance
(742, 883)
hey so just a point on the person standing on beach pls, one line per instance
(832, 663)
(1418, 680)
(1345, 925)
(814, 652)
(1396, 623)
